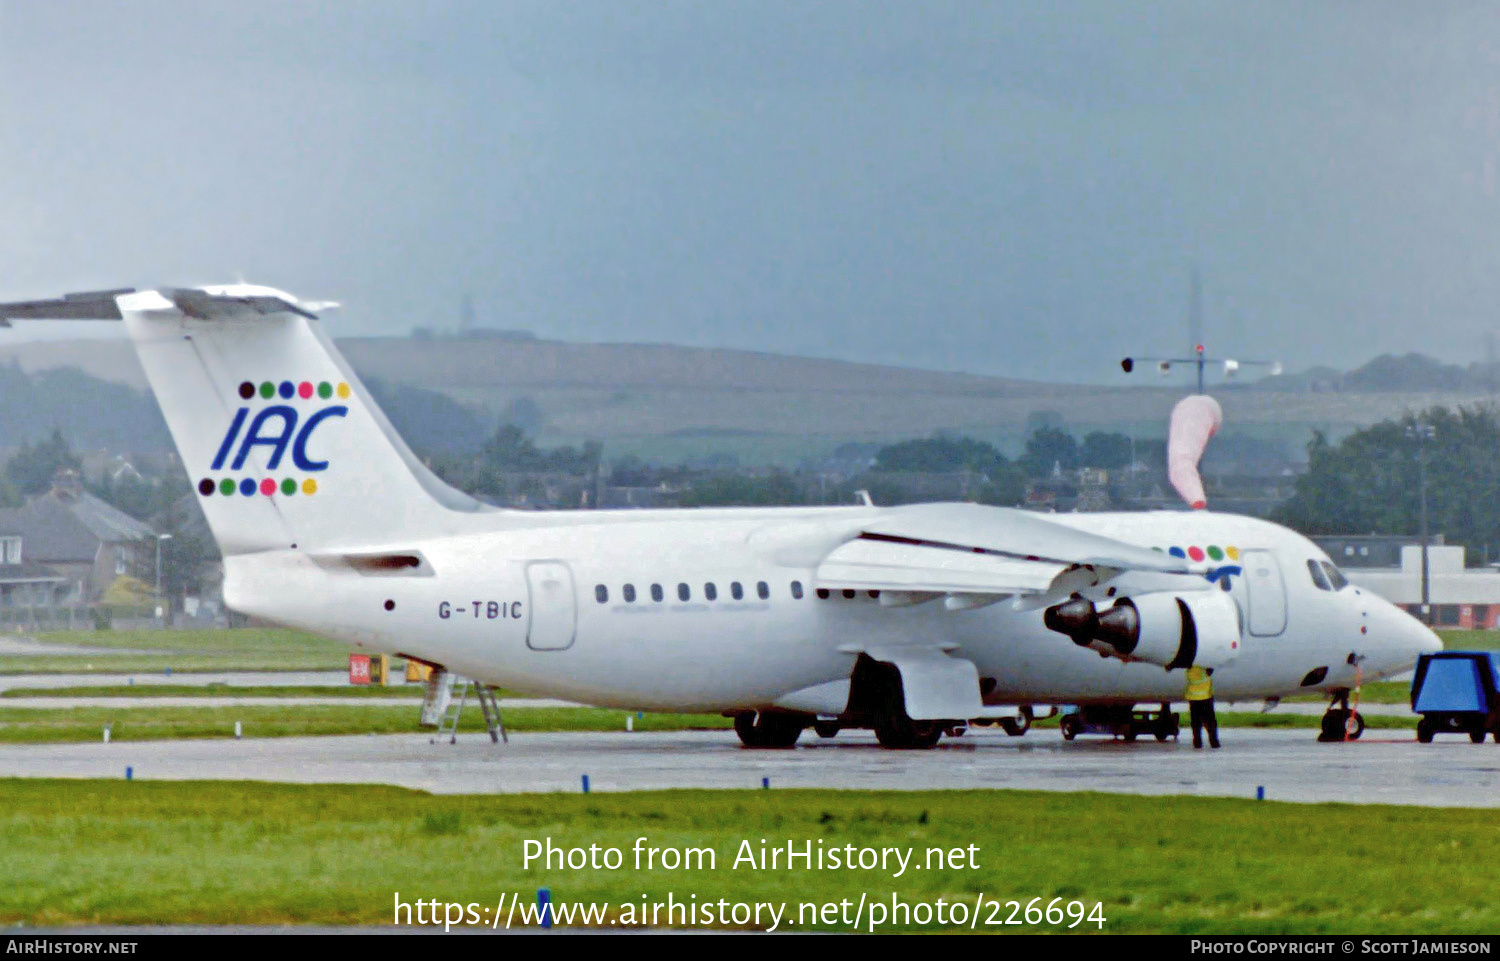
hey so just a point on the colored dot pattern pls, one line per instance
(286, 389)
(248, 487)
(267, 486)
(1211, 552)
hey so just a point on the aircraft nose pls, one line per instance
(1424, 640)
(1404, 636)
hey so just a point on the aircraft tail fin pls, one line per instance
(284, 446)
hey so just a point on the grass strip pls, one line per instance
(34, 726)
(79, 724)
(166, 691)
(116, 852)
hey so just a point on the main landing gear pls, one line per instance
(1340, 723)
(769, 729)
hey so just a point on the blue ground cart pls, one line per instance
(1455, 692)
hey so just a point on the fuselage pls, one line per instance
(719, 610)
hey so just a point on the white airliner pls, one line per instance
(909, 620)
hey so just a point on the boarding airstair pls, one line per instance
(442, 710)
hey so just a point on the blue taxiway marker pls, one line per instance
(585, 784)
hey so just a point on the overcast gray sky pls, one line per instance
(1013, 189)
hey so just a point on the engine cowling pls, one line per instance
(1173, 630)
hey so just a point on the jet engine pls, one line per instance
(1173, 630)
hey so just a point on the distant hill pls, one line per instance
(672, 403)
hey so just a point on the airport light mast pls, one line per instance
(1201, 361)
(1200, 358)
(1422, 433)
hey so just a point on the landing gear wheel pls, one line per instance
(1071, 727)
(763, 729)
(1016, 726)
(1129, 735)
(826, 728)
(1355, 726)
(1332, 728)
(903, 734)
(1424, 731)
(1478, 736)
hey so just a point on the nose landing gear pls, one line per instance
(1340, 721)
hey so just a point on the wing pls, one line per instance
(976, 555)
(970, 556)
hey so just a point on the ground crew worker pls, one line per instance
(1200, 698)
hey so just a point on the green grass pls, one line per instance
(243, 649)
(1379, 692)
(116, 852)
(354, 691)
(1457, 640)
(25, 725)
(34, 725)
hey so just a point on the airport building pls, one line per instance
(1461, 597)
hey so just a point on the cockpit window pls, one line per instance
(1315, 568)
(1335, 576)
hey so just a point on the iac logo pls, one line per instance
(285, 428)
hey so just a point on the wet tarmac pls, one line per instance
(1382, 767)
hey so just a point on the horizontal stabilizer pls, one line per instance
(222, 303)
(88, 305)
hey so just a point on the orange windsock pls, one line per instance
(1194, 420)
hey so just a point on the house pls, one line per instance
(75, 542)
(24, 583)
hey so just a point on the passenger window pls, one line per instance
(656, 593)
(601, 593)
(1316, 570)
(848, 593)
(822, 593)
(736, 591)
(684, 592)
(710, 591)
(763, 590)
(628, 592)
(1335, 576)
(797, 590)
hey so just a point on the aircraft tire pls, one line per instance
(1478, 736)
(1424, 731)
(903, 734)
(1015, 726)
(826, 728)
(1355, 725)
(762, 729)
(1332, 728)
(1069, 726)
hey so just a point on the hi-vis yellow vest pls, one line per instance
(1199, 686)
